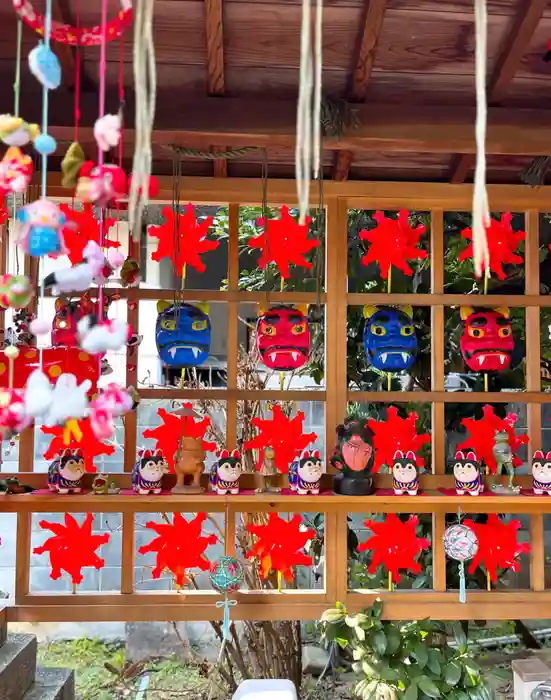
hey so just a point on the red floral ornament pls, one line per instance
(80, 228)
(280, 545)
(498, 547)
(393, 242)
(173, 428)
(482, 436)
(183, 239)
(179, 546)
(89, 445)
(395, 545)
(502, 243)
(72, 547)
(284, 242)
(284, 435)
(395, 434)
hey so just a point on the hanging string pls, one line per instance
(17, 81)
(77, 76)
(102, 71)
(145, 86)
(481, 210)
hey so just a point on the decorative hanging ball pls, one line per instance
(461, 544)
(16, 291)
(45, 67)
(226, 574)
(45, 144)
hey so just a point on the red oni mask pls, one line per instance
(67, 316)
(283, 337)
(487, 341)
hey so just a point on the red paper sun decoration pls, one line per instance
(395, 434)
(482, 436)
(179, 546)
(498, 547)
(173, 428)
(393, 242)
(284, 242)
(72, 547)
(502, 243)
(395, 545)
(90, 446)
(284, 435)
(280, 544)
(183, 239)
(82, 227)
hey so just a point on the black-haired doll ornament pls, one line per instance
(225, 473)
(541, 473)
(404, 473)
(353, 457)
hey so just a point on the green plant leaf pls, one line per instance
(428, 687)
(421, 654)
(472, 667)
(342, 642)
(433, 664)
(370, 669)
(452, 673)
(360, 633)
(459, 636)
(419, 581)
(358, 653)
(377, 609)
(411, 692)
(393, 640)
(378, 640)
(389, 674)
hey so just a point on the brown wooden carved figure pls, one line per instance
(268, 472)
(189, 461)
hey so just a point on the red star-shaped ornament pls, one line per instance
(482, 436)
(173, 428)
(179, 546)
(395, 434)
(72, 547)
(393, 242)
(502, 243)
(284, 435)
(80, 228)
(498, 547)
(89, 445)
(183, 239)
(280, 545)
(284, 242)
(395, 545)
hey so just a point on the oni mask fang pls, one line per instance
(487, 341)
(283, 337)
(389, 337)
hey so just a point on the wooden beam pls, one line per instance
(216, 78)
(64, 52)
(364, 57)
(271, 123)
(515, 45)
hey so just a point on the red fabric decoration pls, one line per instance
(55, 361)
(393, 242)
(482, 436)
(82, 227)
(279, 545)
(72, 547)
(173, 428)
(4, 213)
(395, 434)
(395, 545)
(502, 243)
(179, 546)
(90, 446)
(284, 241)
(498, 547)
(284, 435)
(183, 240)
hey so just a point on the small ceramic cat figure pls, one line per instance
(404, 474)
(65, 473)
(224, 474)
(147, 474)
(466, 471)
(305, 473)
(541, 473)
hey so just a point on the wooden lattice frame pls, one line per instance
(437, 603)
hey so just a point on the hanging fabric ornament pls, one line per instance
(283, 337)
(390, 342)
(45, 67)
(183, 334)
(16, 170)
(226, 576)
(16, 291)
(40, 228)
(461, 544)
(14, 131)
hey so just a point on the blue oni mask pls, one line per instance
(389, 337)
(182, 334)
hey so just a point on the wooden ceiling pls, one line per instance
(228, 76)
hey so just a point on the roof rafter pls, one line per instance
(216, 78)
(64, 52)
(364, 56)
(514, 47)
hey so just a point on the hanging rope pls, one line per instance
(145, 81)
(308, 140)
(17, 81)
(102, 71)
(481, 210)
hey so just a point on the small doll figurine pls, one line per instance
(268, 471)
(541, 473)
(466, 471)
(353, 457)
(305, 473)
(224, 475)
(65, 472)
(40, 228)
(147, 474)
(404, 474)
